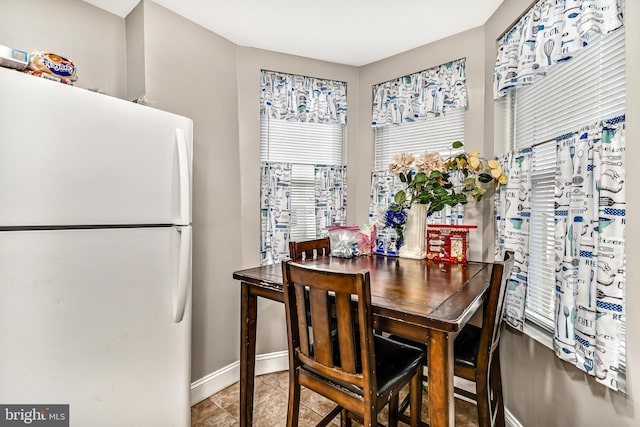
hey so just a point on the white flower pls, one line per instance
(428, 162)
(400, 163)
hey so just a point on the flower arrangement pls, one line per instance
(439, 182)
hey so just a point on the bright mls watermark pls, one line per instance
(34, 415)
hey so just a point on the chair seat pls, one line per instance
(395, 361)
(465, 347)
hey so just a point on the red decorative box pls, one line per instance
(448, 243)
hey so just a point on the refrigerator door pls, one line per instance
(72, 157)
(88, 318)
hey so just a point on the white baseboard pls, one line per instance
(230, 374)
(510, 420)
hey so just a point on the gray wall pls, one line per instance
(219, 91)
(93, 39)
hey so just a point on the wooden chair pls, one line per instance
(476, 350)
(304, 250)
(357, 369)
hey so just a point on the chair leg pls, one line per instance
(496, 390)
(293, 406)
(393, 410)
(345, 421)
(482, 398)
(370, 415)
(415, 388)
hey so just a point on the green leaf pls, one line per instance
(420, 178)
(441, 192)
(436, 174)
(457, 144)
(436, 206)
(461, 197)
(424, 198)
(403, 178)
(395, 208)
(469, 183)
(400, 197)
(484, 178)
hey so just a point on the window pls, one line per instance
(303, 172)
(535, 115)
(303, 145)
(433, 134)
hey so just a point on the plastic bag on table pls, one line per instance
(348, 241)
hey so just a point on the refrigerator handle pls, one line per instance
(183, 169)
(184, 271)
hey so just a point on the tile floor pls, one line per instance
(270, 406)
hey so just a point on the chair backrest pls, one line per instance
(493, 311)
(334, 354)
(304, 250)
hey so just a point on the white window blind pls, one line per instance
(588, 88)
(294, 142)
(541, 291)
(303, 145)
(432, 134)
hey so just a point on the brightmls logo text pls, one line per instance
(34, 415)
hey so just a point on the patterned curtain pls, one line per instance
(420, 95)
(331, 197)
(590, 269)
(550, 32)
(302, 99)
(275, 211)
(513, 213)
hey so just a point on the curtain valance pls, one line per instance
(302, 99)
(420, 95)
(551, 31)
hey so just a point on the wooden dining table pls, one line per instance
(425, 301)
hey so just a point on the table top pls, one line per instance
(435, 295)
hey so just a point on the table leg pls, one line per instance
(248, 317)
(440, 377)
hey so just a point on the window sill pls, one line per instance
(538, 334)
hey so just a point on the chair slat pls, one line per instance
(346, 333)
(302, 309)
(323, 348)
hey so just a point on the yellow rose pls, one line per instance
(503, 179)
(496, 172)
(474, 162)
(493, 164)
(474, 153)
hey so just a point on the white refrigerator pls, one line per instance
(95, 255)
